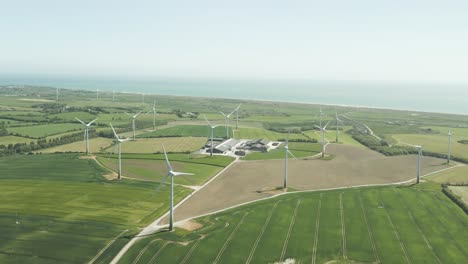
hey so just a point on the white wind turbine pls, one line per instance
(86, 133)
(57, 95)
(287, 153)
(323, 129)
(226, 119)
(337, 126)
(118, 141)
(320, 116)
(171, 173)
(449, 145)
(97, 94)
(212, 134)
(133, 122)
(237, 115)
(154, 114)
(420, 148)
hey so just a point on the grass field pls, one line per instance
(154, 145)
(330, 136)
(187, 131)
(298, 149)
(67, 212)
(5, 140)
(461, 191)
(155, 170)
(95, 145)
(39, 131)
(260, 133)
(456, 175)
(354, 225)
(439, 142)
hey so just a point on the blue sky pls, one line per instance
(339, 40)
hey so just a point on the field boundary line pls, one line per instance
(395, 231)
(226, 243)
(318, 190)
(106, 247)
(154, 225)
(343, 228)
(291, 225)
(159, 251)
(189, 253)
(369, 230)
(317, 226)
(418, 226)
(259, 237)
(455, 242)
(144, 250)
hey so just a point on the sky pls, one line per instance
(318, 40)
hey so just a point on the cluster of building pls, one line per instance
(239, 147)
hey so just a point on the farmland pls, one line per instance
(353, 225)
(74, 213)
(187, 131)
(299, 150)
(95, 145)
(5, 140)
(259, 133)
(154, 145)
(39, 131)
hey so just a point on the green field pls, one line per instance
(454, 176)
(5, 140)
(154, 145)
(439, 142)
(298, 149)
(260, 133)
(461, 191)
(67, 212)
(187, 131)
(95, 145)
(39, 131)
(387, 225)
(155, 170)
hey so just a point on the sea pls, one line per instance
(415, 96)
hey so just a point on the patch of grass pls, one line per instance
(383, 223)
(5, 140)
(95, 145)
(298, 149)
(453, 176)
(187, 131)
(154, 145)
(260, 133)
(39, 131)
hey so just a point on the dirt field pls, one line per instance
(352, 166)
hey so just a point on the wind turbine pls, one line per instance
(287, 153)
(97, 94)
(133, 122)
(320, 116)
(212, 129)
(323, 129)
(226, 118)
(449, 145)
(237, 116)
(171, 173)
(86, 133)
(420, 148)
(154, 114)
(337, 127)
(56, 95)
(119, 141)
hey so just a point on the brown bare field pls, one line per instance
(352, 166)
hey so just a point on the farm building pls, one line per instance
(225, 146)
(257, 145)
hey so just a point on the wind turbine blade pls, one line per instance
(129, 114)
(231, 113)
(161, 184)
(287, 139)
(207, 120)
(180, 173)
(292, 155)
(92, 121)
(223, 114)
(318, 127)
(80, 121)
(137, 114)
(115, 134)
(168, 164)
(238, 107)
(325, 127)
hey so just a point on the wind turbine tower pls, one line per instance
(212, 132)
(119, 142)
(97, 94)
(86, 133)
(449, 146)
(226, 119)
(286, 153)
(237, 116)
(171, 173)
(323, 129)
(57, 95)
(337, 126)
(420, 148)
(133, 123)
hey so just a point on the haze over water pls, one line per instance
(430, 97)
